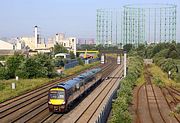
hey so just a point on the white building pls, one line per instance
(33, 42)
(6, 46)
(69, 43)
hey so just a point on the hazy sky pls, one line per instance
(73, 17)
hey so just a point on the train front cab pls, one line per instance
(57, 99)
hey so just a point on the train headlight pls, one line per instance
(63, 102)
(49, 102)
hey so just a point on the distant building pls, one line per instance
(34, 42)
(6, 46)
(89, 41)
(69, 43)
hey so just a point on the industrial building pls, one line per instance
(6, 46)
(37, 44)
(69, 43)
(136, 24)
(33, 42)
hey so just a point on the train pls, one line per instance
(62, 96)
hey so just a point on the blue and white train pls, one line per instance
(62, 96)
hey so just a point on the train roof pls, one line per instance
(70, 83)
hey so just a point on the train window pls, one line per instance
(57, 94)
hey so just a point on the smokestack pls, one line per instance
(36, 36)
(57, 38)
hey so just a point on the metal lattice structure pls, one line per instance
(108, 26)
(136, 24)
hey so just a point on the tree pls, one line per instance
(37, 66)
(141, 50)
(128, 47)
(13, 63)
(58, 48)
(72, 56)
(1, 65)
(28, 69)
(3, 73)
(80, 61)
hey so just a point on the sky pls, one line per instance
(72, 17)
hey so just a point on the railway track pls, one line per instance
(49, 117)
(137, 104)
(88, 114)
(169, 103)
(26, 107)
(88, 108)
(28, 96)
(153, 101)
(15, 107)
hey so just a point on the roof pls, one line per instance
(70, 83)
(5, 45)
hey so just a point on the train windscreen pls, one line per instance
(56, 94)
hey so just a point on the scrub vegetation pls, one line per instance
(120, 112)
(164, 55)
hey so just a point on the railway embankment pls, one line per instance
(120, 108)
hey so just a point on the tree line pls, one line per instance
(165, 55)
(40, 65)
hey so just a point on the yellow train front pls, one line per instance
(62, 96)
(56, 99)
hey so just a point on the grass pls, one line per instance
(24, 85)
(157, 72)
(141, 80)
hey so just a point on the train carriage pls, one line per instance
(62, 96)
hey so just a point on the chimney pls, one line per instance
(57, 38)
(36, 36)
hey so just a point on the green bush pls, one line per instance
(80, 61)
(13, 63)
(177, 108)
(38, 66)
(1, 65)
(2, 86)
(177, 77)
(167, 65)
(72, 56)
(120, 113)
(158, 81)
(3, 73)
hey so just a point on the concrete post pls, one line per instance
(17, 78)
(102, 58)
(125, 63)
(13, 85)
(118, 59)
(75, 41)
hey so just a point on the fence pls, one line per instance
(73, 63)
(103, 116)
